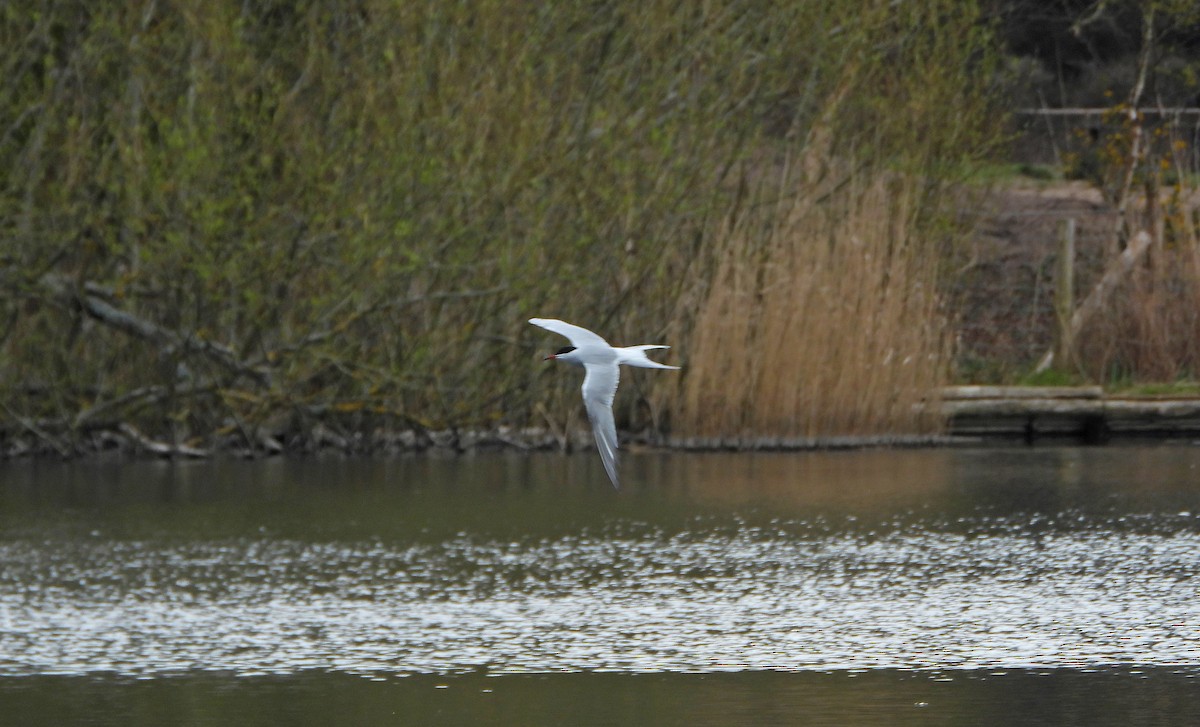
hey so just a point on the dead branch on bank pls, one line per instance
(39, 431)
(1123, 263)
(89, 299)
(162, 449)
(1116, 272)
(138, 397)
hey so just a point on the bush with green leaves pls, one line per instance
(217, 216)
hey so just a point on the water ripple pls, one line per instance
(632, 599)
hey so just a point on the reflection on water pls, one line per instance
(990, 564)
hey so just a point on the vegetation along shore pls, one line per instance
(260, 227)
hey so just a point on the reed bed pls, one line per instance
(831, 325)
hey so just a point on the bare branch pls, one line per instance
(1117, 270)
(161, 448)
(145, 394)
(1098, 9)
(91, 303)
(1120, 266)
(33, 428)
(324, 335)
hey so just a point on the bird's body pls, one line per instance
(602, 364)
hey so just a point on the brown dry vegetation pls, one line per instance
(847, 280)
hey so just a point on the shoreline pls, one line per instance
(974, 416)
(1032, 413)
(124, 441)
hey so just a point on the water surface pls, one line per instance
(918, 585)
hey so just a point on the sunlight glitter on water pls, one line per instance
(633, 600)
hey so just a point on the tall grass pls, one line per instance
(828, 324)
(823, 314)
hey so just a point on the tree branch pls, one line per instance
(32, 427)
(146, 393)
(1136, 247)
(89, 300)
(161, 448)
(1117, 270)
(327, 333)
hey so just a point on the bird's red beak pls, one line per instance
(550, 357)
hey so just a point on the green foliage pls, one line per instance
(364, 201)
(1172, 389)
(1052, 377)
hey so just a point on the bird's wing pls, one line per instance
(579, 337)
(599, 387)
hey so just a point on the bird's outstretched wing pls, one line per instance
(579, 337)
(599, 387)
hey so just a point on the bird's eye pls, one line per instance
(564, 349)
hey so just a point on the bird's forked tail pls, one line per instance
(636, 356)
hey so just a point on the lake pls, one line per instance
(1055, 585)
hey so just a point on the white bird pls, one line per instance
(601, 362)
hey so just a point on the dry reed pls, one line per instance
(829, 326)
(1151, 331)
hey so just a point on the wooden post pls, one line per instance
(1064, 293)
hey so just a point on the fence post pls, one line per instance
(1064, 293)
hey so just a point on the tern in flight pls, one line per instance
(601, 362)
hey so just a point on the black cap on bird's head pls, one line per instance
(559, 352)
